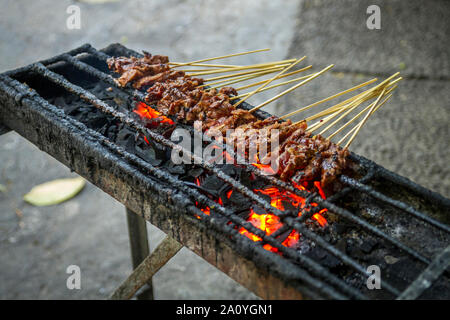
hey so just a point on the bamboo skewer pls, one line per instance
(365, 118)
(273, 69)
(279, 77)
(329, 98)
(269, 81)
(355, 127)
(282, 63)
(348, 107)
(273, 86)
(354, 102)
(206, 65)
(220, 57)
(291, 88)
(357, 116)
(370, 93)
(227, 82)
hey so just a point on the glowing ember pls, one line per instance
(270, 223)
(144, 111)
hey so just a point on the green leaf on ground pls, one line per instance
(54, 192)
(2, 188)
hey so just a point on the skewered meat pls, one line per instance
(301, 156)
(133, 69)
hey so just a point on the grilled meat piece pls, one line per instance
(133, 69)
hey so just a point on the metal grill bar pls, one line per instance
(398, 204)
(286, 216)
(428, 276)
(95, 136)
(346, 259)
(108, 79)
(309, 263)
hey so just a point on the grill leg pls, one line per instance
(159, 257)
(137, 232)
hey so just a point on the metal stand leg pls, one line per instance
(159, 257)
(137, 232)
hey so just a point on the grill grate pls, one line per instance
(316, 276)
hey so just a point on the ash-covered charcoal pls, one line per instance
(324, 258)
(111, 132)
(196, 172)
(96, 120)
(173, 168)
(239, 201)
(213, 184)
(259, 184)
(126, 138)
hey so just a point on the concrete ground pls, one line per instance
(409, 135)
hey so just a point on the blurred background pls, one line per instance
(409, 135)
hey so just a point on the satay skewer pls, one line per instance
(269, 81)
(356, 127)
(347, 112)
(388, 96)
(229, 81)
(370, 93)
(369, 113)
(206, 65)
(315, 75)
(220, 57)
(227, 76)
(282, 63)
(279, 77)
(328, 99)
(246, 77)
(273, 86)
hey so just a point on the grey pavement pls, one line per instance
(408, 135)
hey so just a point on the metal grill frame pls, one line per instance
(312, 279)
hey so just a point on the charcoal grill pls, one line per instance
(400, 218)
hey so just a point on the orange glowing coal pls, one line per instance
(145, 111)
(270, 223)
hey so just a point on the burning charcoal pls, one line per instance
(259, 210)
(239, 200)
(60, 102)
(96, 120)
(288, 206)
(111, 133)
(231, 170)
(196, 172)
(125, 138)
(259, 184)
(175, 169)
(148, 154)
(212, 183)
